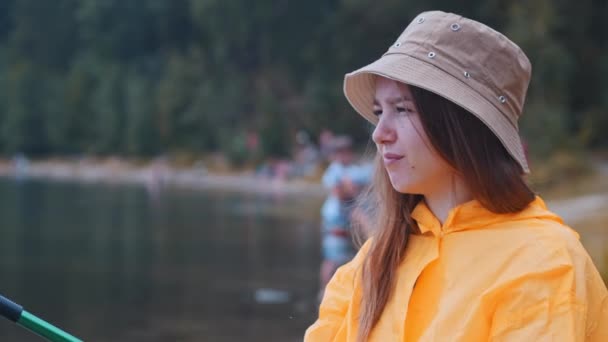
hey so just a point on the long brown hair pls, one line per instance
(494, 178)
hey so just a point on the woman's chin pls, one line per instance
(406, 186)
(403, 186)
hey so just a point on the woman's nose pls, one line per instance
(383, 133)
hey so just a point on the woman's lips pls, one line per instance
(391, 158)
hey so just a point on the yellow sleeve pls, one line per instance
(558, 304)
(336, 300)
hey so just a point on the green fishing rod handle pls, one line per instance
(15, 313)
(44, 329)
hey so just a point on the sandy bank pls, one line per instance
(154, 175)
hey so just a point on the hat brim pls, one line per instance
(359, 88)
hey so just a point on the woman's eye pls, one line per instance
(377, 112)
(405, 110)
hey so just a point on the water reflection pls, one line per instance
(108, 264)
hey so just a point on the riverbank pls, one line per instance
(156, 174)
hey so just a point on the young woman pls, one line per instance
(462, 249)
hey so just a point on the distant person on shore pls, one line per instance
(20, 166)
(325, 139)
(306, 156)
(156, 179)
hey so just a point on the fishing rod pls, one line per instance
(17, 314)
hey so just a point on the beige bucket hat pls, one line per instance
(461, 60)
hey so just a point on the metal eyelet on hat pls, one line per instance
(432, 54)
(397, 44)
(420, 20)
(455, 27)
(466, 74)
(502, 99)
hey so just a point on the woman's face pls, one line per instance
(412, 164)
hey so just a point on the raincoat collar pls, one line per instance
(472, 215)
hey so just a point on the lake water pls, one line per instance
(112, 263)
(116, 263)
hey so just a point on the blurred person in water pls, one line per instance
(344, 179)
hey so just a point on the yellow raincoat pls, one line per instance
(481, 276)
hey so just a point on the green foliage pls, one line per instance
(23, 124)
(146, 77)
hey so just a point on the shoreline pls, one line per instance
(156, 175)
